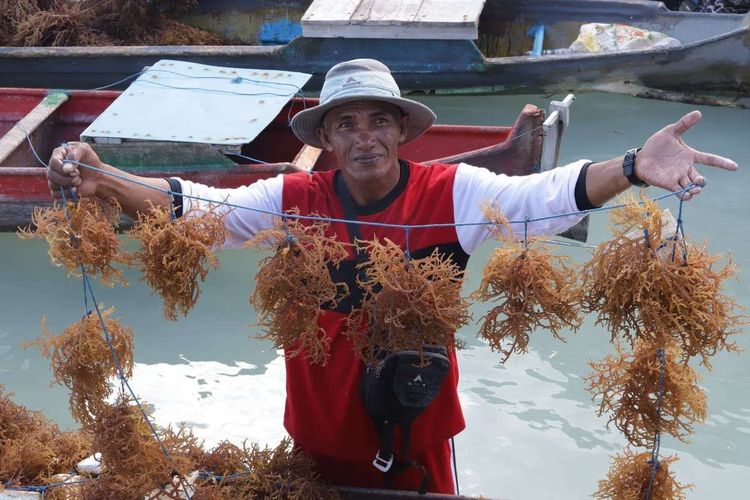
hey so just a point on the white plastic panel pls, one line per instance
(188, 102)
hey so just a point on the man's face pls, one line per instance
(365, 136)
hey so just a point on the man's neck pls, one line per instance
(367, 192)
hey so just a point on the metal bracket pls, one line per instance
(558, 119)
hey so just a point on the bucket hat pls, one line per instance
(360, 80)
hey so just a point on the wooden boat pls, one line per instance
(51, 119)
(489, 52)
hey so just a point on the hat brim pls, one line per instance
(305, 123)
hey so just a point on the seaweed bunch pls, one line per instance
(408, 303)
(282, 472)
(176, 33)
(32, 448)
(65, 23)
(82, 234)
(630, 475)
(81, 360)
(294, 284)
(530, 289)
(133, 461)
(174, 254)
(12, 12)
(629, 386)
(685, 303)
(647, 281)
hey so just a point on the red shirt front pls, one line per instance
(324, 410)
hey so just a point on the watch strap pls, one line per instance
(628, 167)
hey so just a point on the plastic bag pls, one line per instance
(597, 37)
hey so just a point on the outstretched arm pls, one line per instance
(665, 161)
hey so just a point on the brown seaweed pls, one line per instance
(66, 23)
(175, 254)
(283, 472)
(408, 303)
(82, 234)
(629, 387)
(529, 288)
(629, 478)
(81, 360)
(133, 460)
(294, 284)
(644, 283)
(32, 448)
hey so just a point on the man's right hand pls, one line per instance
(63, 170)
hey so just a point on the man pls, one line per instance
(362, 120)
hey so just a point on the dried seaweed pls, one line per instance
(643, 282)
(32, 448)
(175, 33)
(82, 234)
(81, 360)
(530, 289)
(408, 303)
(175, 254)
(66, 23)
(629, 388)
(133, 461)
(12, 12)
(294, 284)
(280, 473)
(630, 474)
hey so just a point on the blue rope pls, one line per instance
(660, 356)
(369, 223)
(42, 488)
(134, 75)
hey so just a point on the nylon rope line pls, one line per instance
(660, 356)
(370, 223)
(118, 365)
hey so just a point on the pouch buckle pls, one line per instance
(382, 464)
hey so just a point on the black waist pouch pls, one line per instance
(403, 384)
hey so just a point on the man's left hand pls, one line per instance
(667, 162)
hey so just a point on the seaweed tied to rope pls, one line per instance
(133, 461)
(640, 401)
(408, 303)
(294, 284)
(630, 478)
(528, 288)
(647, 280)
(82, 234)
(175, 254)
(81, 360)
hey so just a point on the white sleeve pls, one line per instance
(262, 196)
(520, 197)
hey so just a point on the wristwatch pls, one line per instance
(628, 167)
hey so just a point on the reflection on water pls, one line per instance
(532, 430)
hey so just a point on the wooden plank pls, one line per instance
(307, 157)
(390, 32)
(389, 12)
(330, 11)
(450, 12)
(29, 123)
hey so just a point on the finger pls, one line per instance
(714, 160)
(686, 122)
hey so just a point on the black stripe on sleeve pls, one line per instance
(582, 197)
(176, 188)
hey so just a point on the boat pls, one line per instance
(492, 51)
(49, 118)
